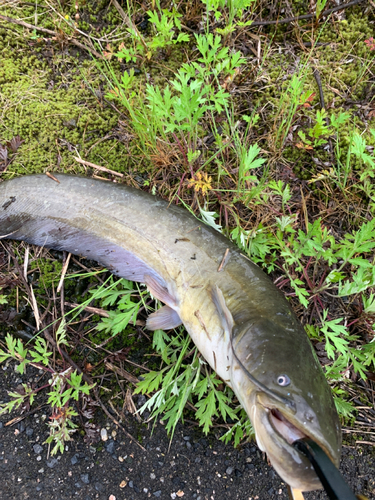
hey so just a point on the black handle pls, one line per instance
(329, 475)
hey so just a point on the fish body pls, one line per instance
(238, 319)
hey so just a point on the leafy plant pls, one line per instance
(165, 24)
(65, 386)
(232, 8)
(317, 135)
(3, 299)
(289, 103)
(320, 5)
(181, 382)
(117, 292)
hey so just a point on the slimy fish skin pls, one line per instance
(238, 319)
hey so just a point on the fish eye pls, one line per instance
(283, 380)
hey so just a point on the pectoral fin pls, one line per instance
(164, 318)
(223, 311)
(159, 291)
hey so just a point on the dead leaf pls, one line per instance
(15, 143)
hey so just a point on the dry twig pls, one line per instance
(98, 167)
(50, 32)
(307, 16)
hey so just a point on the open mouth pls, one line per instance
(283, 427)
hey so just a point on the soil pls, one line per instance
(193, 466)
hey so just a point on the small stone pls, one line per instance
(52, 462)
(99, 487)
(130, 483)
(141, 400)
(74, 459)
(103, 434)
(229, 470)
(85, 478)
(29, 431)
(110, 447)
(123, 484)
(188, 445)
(37, 449)
(152, 475)
(157, 493)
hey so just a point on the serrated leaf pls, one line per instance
(209, 218)
(206, 410)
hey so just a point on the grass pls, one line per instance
(222, 118)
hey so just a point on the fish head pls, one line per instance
(279, 381)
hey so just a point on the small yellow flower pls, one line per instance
(201, 182)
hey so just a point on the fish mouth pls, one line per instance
(284, 427)
(278, 428)
(275, 435)
(288, 431)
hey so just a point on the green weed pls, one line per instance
(165, 24)
(65, 386)
(181, 382)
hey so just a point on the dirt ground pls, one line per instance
(195, 467)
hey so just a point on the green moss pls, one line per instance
(55, 113)
(49, 271)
